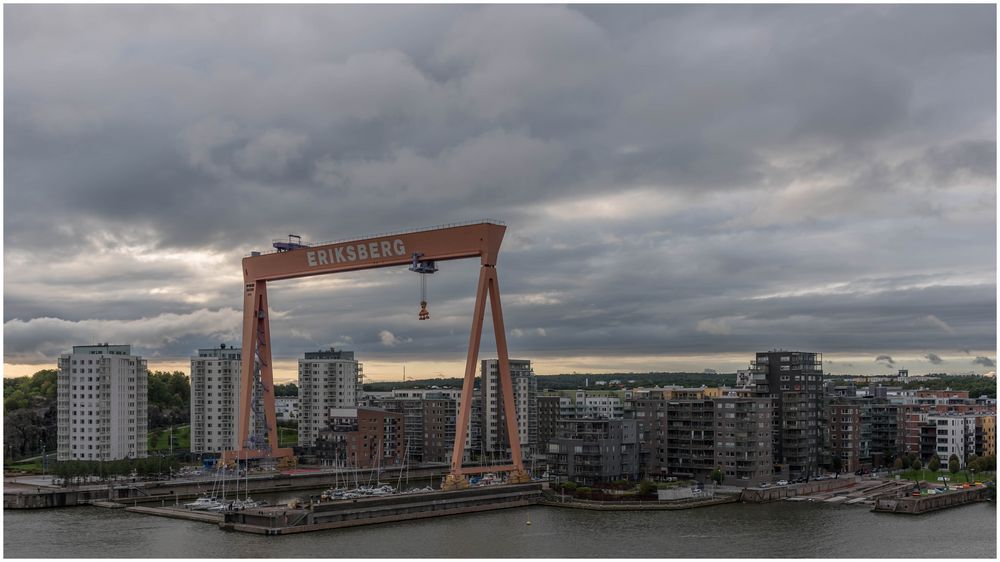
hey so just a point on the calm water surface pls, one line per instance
(781, 529)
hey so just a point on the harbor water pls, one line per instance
(781, 529)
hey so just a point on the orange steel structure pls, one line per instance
(480, 240)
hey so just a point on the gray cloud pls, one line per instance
(888, 360)
(934, 358)
(984, 361)
(676, 179)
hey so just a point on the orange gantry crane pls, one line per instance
(420, 250)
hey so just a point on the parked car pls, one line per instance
(943, 479)
(782, 482)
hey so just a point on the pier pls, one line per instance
(915, 505)
(283, 520)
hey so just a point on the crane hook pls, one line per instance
(423, 268)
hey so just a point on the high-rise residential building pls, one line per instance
(525, 386)
(743, 439)
(691, 438)
(327, 379)
(215, 399)
(844, 423)
(102, 404)
(794, 382)
(649, 409)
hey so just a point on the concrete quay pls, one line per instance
(555, 501)
(776, 493)
(915, 505)
(370, 511)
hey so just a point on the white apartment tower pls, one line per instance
(494, 430)
(215, 397)
(327, 379)
(102, 404)
(956, 435)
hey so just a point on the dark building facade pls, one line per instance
(649, 410)
(592, 450)
(844, 419)
(794, 382)
(362, 438)
(690, 439)
(548, 420)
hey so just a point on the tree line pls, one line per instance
(74, 472)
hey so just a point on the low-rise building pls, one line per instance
(286, 408)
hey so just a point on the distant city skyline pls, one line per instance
(286, 369)
(683, 185)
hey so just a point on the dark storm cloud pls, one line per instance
(676, 179)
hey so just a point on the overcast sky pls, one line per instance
(683, 186)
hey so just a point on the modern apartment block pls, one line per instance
(649, 409)
(430, 416)
(548, 420)
(954, 435)
(590, 404)
(494, 429)
(794, 382)
(743, 439)
(690, 438)
(592, 450)
(988, 427)
(844, 419)
(102, 404)
(362, 438)
(215, 397)
(327, 379)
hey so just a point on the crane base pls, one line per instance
(519, 477)
(455, 482)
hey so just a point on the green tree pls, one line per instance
(568, 487)
(718, 475)
(935, 464)
(917, 465)
(898, 465)
(646, 487)
(954, 464)
(286, 389)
